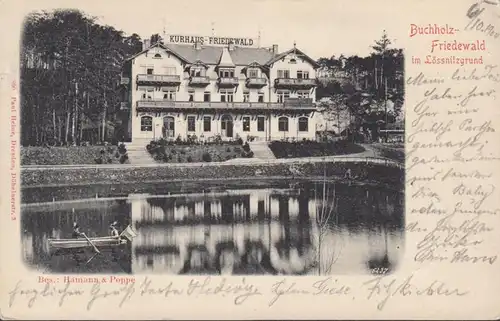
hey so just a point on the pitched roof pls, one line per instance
(299, 53)
(245, 56)
(210, 55)
(214, 55)
(157, 45)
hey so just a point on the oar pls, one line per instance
(93, 256)
(93, 245)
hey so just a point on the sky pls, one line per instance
(321, 28)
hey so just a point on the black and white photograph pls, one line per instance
(201, 146)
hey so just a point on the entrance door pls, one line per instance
(168, 127)
(227, 125)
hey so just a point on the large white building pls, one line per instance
(178, 90)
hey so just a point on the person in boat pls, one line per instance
(113, 230)
(76, 231)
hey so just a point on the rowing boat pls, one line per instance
(82, 243)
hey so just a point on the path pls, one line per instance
(261, 150)
(137, 153)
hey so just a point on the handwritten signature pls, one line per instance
(383, 288)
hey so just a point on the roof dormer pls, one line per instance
(225, 59)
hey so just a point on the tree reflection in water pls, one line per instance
(198, 261)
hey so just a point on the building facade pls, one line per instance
(175, 91)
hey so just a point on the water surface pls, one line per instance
(306, 228)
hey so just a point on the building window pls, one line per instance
(148, 93)
(157, 56)
(246, 124)
(246, 97)
(226, 73)
(260, 123)
(169, 95)
(282, 95)
(146, 124)
(191, 95)
(197, 72)
(303, 94)
(303, 74)
(169, 70)
(283, 124)
(191, 123)
(206, 97)
(253, 73)
(207, 124)
(261, 98)
(284, 73)
(226, 96)
(303, 124)
(149, 71)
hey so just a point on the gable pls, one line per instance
(158, 49)
(299, 55)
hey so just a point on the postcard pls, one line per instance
(259, 159)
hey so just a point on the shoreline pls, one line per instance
(274, 183)
(381, 169)
(240, 161)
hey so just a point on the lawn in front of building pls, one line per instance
(168, 152)
(73, 155)
(308, 148)
(392, 151)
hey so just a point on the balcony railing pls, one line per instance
(298, 102)
(199, 80)
(294, 83)
(124, 80)
(256, 82)
(305, 103)
(227, 81)
(159, 79)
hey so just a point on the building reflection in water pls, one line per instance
(313, 229)
(262, 232)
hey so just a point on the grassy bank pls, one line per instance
(72, 155)
(313, 149)
(391, 151)
(107, 175)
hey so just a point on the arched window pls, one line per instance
(157, 55)
(303, 124)
(283, 124)
(146, 124)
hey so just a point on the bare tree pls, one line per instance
(324, 213)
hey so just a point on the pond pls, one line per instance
(300, 228)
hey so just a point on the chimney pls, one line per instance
(275, 49)
(145, 44)
(197, 45)
(230, 47)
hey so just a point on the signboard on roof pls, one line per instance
(210, 40)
